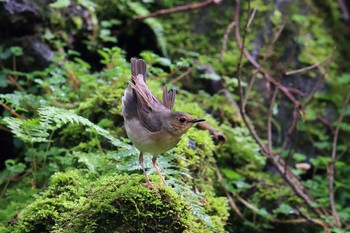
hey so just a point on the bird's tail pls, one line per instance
(138, 66)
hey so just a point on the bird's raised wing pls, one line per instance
(148, 106)
(168, 98)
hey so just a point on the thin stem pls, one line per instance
(331, 165)
(178, 9)
(239, 75)
(307, 68)
(225, 38)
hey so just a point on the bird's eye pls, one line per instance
(182, 120)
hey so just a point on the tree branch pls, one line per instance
(178, 9)
(279, 164)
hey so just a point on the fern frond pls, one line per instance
(27, 130)
(10, 97)
(49, 115)
(51, 118)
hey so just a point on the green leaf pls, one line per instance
(17, 51)
(212, 76)
(283, 209)
(3, 81)
(60, 4)
(310, 114)
(13, 167)
(230, 174)
(263, 212)
(6, 54)
(345, 126)
(299, 157)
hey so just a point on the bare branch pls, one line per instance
(12, 111)
(219, 137)
(225, 38)
(239, 71)
(181, 76)
(230, 199)
(282, 169)
(267, 76)
(331, 165)
(266, 55)
(307, 68)
(179, 9)
(344, 10)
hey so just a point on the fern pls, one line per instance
(10, 98)
(27, 130)
(50, 119)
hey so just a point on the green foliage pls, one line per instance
(96, 186)
(57, 139)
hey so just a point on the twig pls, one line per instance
(343, 153)
(252, 15)
(13, 81)
(295, 91)
(225, 38)
(326, 123)
(307, 68)
(269, 119)
(266, 55)
(283, 170)
(267, 76)
(344, 10)
(332, 164)
(181, 76)
(274, 40)
(315, 221)
(272, 219)
(239, 71)
(324, 74)
(230, 199)
(218, 135)
(13, 112)
(178, 9)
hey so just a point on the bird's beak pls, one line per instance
(195, 120)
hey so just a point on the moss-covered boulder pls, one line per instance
(79, 201)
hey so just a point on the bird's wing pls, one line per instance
(148, 106)
(168, 98)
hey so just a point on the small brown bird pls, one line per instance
(151, 125)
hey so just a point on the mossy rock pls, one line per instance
(79, 201)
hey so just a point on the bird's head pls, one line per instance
(179, 122)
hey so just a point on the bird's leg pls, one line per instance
(149, 184)
(154, 160)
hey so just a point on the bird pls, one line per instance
(152, 125)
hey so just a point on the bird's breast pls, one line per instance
(146, 141)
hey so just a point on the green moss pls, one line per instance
(17, 196)
(78, 201)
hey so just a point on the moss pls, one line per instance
(16, 197)
(78, 201)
